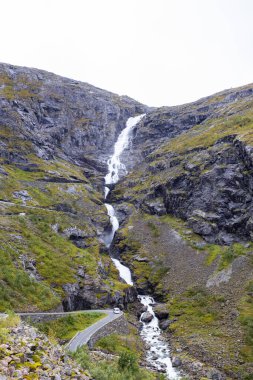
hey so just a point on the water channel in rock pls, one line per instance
(158, 353)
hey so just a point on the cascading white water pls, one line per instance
(124, 271)
(114, 223)
(112, 177)
(115, 167)
(158, 354)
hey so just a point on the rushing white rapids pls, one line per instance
(124, 271)
(158, 354)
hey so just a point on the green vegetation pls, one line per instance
(117, 344)
(66, 327)
(205, 135)
(200, 320)
(195, 309)
(154, 229)
(17, 289)
(57, 259)
(12, 320)
(128, 362)
(39, 235)
(124, 368)
(21, 88)
(226, 254)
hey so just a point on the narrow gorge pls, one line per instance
(158, 352)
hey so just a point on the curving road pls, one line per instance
(83, 336)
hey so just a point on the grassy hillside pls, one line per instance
(41, 205)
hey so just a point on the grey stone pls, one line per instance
(147, 317)
(214, 375)
(164, 324)
(23, 195)
(161, 311)
(176, 362)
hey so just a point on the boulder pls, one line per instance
(176, 362)
(143, 309)
(161, 311)
(214, 374)
(147, 317)
(165, 324)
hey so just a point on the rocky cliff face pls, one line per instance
(197, 165)
(62, 118)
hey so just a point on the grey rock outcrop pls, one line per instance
(62, 117)
(204, 177)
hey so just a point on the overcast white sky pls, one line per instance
(160, 52)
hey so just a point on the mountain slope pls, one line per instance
(55, 134)
(185, 210)
(188, 233)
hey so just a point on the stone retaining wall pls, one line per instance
(118, 326)
(41, 318)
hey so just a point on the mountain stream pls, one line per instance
(158, 353)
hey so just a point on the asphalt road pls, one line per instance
(84, 336)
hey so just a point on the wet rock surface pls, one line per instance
(164, 324)
(146, 317)
(141, 310)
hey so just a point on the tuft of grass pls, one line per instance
(154, 229)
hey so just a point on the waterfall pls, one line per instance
(158, 355)
(115, 168)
